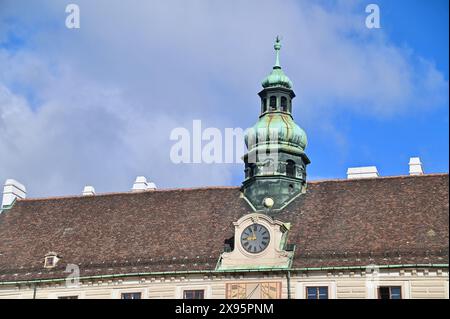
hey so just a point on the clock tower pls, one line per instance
(275, 164)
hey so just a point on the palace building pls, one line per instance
(277, 236)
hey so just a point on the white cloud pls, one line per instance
(96, 105)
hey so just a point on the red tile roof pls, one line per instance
(388, 220)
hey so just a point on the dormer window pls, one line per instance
(50, 260)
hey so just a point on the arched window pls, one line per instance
(284, 104)
(291, 188)
(273, 103)
(252, 170)
(247, 172)
(290, 168)
(264, 106)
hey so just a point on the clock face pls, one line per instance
(255, 238)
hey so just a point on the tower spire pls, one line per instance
(277, 78)
(277, 47)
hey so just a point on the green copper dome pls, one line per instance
(277, 77)
(276, 128)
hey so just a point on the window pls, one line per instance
(131, 295)
(264, 106)
(284, 104)
(317, 292)
(194, 294)
(390, 292)
(68, 297)
(253, 170)
(273, 103)
(290, 168)
(291, 188)
(50, 260)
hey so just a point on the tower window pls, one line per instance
(273, 103)
(284, 107)
(252, 170)
(264, 106)
(290, 168)
(291, 188)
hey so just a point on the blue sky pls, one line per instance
(96, 105)
(421, 26)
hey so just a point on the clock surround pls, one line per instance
(273, 256)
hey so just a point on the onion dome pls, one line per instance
(276, 128)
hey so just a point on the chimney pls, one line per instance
(151, 186)
(141, 185)
(88, 191)
(415, 166)
(11, 191)
(362, 172)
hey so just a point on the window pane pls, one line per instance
(311, 292)
(199, 294)
(383, 293)
(323, 292)
(396, 293)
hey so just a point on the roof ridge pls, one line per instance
(340, 180)
(128, 193)
(375, 178)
